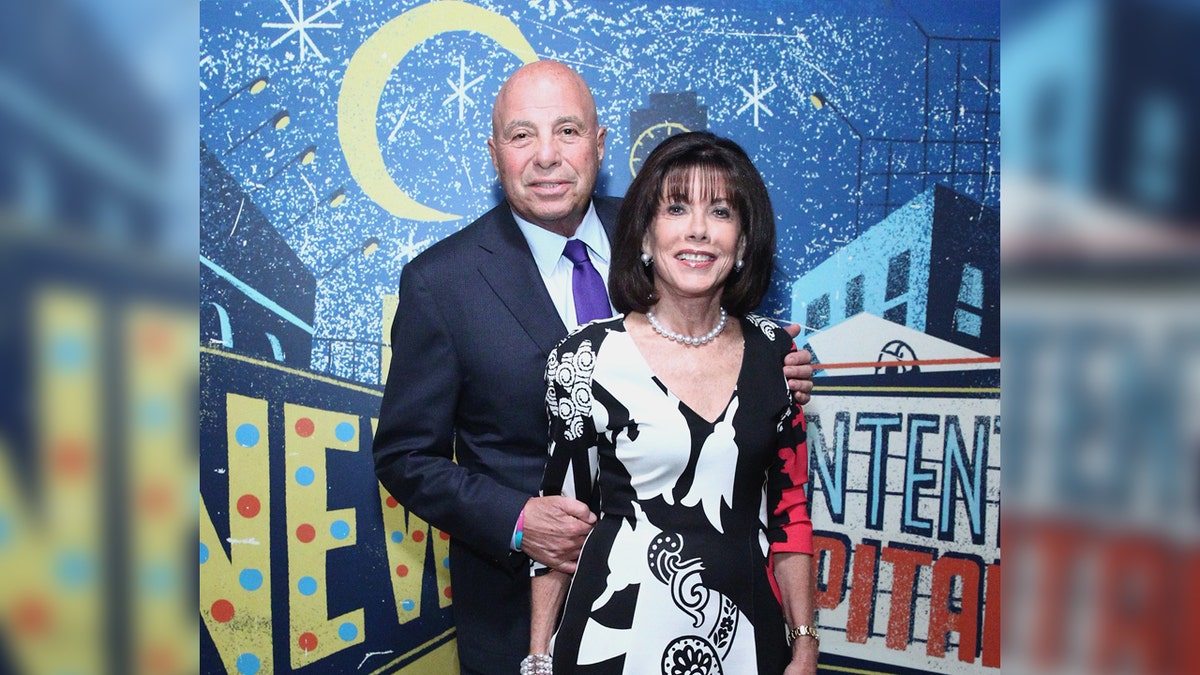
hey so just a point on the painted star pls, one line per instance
(301, 24)
(461, 88)
(755, 100)
(409, 250)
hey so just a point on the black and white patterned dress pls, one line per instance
(674, 578)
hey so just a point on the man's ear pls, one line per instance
(492, 153)
(601, 135)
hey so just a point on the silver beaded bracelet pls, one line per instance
(537, 664)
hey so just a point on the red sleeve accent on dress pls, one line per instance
(789, 528)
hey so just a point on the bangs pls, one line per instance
(712, 180)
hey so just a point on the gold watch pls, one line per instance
(802, 629)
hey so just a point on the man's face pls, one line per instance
(547, 145)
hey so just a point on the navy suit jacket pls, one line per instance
(470, 339)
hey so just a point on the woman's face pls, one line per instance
(694, 238)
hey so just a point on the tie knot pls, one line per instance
(576, 252)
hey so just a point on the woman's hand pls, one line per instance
(804, 657)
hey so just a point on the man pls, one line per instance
(478, 314)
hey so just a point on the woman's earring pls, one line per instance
(737, 266)
(646, 259)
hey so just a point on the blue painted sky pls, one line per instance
(753, 66)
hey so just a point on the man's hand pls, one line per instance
(555, 528)
(797, 370)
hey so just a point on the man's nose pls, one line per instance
(548, 153)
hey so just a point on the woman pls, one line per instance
(674, 424)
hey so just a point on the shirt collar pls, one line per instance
(547, 246)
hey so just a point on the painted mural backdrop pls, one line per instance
(340, 139)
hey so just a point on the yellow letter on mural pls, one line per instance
(52, 552)
(313, 530)
(235, 592)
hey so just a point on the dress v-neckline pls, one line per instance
(658, 380)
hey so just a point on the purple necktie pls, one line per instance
(591, 300)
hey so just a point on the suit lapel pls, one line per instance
(511, 273)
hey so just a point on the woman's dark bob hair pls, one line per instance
(667, 173)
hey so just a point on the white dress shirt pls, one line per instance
(547, 248)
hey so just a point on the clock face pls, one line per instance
(649, 139)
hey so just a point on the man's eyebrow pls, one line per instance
(566, 119)
(508, 128)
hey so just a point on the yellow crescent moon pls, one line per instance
(368, 72)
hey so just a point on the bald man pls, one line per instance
(478, 314)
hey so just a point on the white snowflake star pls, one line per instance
(460, 89)
(409, 250)
(552, 5)
(301, 24)
(755, 100)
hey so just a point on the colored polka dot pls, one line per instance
(203, 554)
(305, 476)
(418, 536)
(391, 502)
(31, 616)
(160, 659)
(446, 562)
(246, 435)
(340, 529)
(155, 339)
(68, 353)
(397, 536)
(73, 569)
(248, 506)
(158, 579)
(156, 499)
(447, 592)
(347, 631)
(408, 605)
(72, 458)
(248, 664)
(344, 432)
(305, 427)
(306, 533)
(154, 414)
(222, 610)
(307, 585)
(307, 642)
(445, 536)
(402, 570)
(250, 579)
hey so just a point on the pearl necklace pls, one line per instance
(687, 339)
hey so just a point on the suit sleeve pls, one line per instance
(414, 442)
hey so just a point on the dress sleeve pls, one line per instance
(571, 468)
(789, 528)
